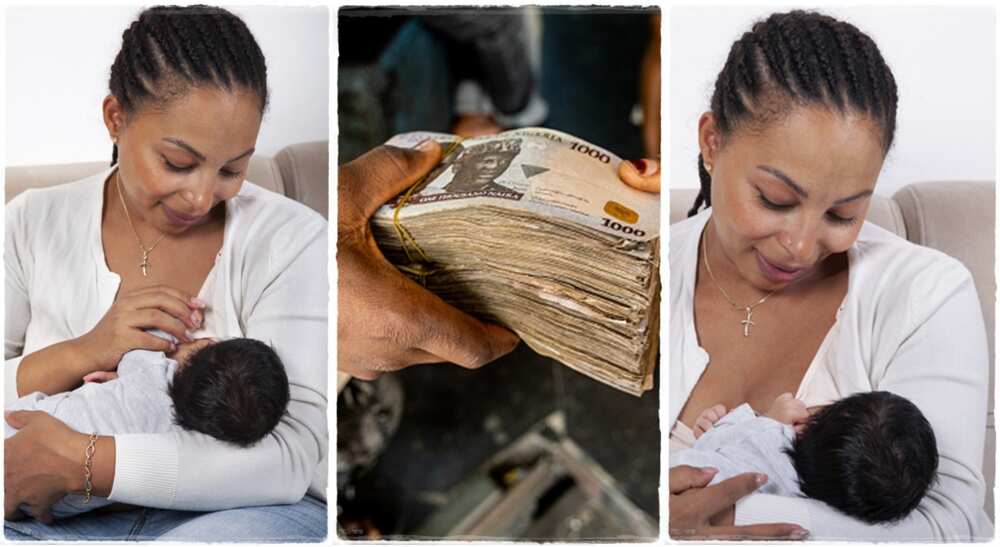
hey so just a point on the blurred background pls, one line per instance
(524, 447)
(943, 59)
(58, 60)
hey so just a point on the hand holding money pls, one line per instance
(387, 322)
(533, 229)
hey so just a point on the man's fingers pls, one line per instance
(457, 337)
(685, 477)
(641, 174)
(728, 492)
(381, 174)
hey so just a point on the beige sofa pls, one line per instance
(299, 171)
(957, 218)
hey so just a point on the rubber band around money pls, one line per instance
(423, 267)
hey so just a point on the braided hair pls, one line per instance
(800, 58)
(169, 49)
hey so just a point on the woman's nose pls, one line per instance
(199, 195)
(801, 241)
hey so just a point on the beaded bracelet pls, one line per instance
(88, 465)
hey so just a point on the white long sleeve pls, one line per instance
(942, 367)
(270, 284)
(287, 310)
(910, 324)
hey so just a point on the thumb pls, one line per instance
(20, 418)
(641, 174)
(380, 175)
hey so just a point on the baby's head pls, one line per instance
(235, 390)
(871, 455)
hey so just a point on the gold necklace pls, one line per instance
(748, 322)
(144, 265)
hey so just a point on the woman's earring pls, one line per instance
(114, 140)
(708, 167)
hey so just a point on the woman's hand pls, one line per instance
(641, 174)
(698, 511)
(42, 463)
(123, 327)
(387, 321)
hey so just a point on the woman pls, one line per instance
(780, 286)
(170, 237)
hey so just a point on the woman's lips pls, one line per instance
(777, 274)
(180, 219)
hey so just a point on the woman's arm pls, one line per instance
(942, 366)
(286, 306)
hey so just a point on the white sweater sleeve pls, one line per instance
(191, 471)
(17, 308)
(942, 366)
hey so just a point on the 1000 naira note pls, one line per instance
(533, 229)
(543, 171)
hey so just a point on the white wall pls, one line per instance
(943, 60)
(59, 58)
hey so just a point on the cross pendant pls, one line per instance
(747, 323)
(145, 264)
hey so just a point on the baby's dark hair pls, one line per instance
(235, 390)
(169, 49)
(871, 455)
(794, 59)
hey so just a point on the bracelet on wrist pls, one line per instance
(88, 468)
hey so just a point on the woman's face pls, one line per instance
(177, 163)
(787, 197)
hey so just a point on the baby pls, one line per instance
(235, 390)
(872, 455)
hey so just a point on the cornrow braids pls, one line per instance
(168, 49)
(800, 58)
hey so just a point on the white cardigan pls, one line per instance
(910, 324)
(269, 282)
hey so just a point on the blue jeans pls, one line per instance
(304, 521)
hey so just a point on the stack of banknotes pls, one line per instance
(533, 229)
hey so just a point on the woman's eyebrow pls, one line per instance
(199, 155)
(802, 191)
(853, 197)
(785, 179)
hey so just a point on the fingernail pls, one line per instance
(645, 167)
(196, 318)
(173, 347)
(799, 534)
(198, 302)
(426, 145)
(187, 334)
(761, 479)
(709, 470)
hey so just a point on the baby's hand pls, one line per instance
(707, 420)
(184, 352)
(788, 410)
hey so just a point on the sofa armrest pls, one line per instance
(958, 218)
(305, 172)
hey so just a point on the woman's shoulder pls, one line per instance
(879, 252)
(68, 194)
(893, 273)
(268, 208)
(268, 225)
(683, 232)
